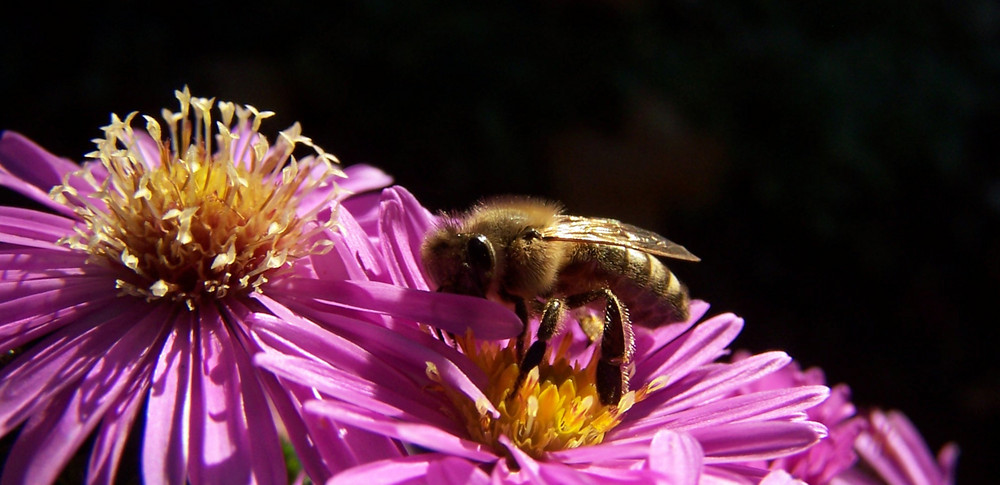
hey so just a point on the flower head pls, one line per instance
(892, 452)
(835, 452)
(191, 221)
(131, 300)
(454, 400)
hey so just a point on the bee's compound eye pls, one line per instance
(480, 253)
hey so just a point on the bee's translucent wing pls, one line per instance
(614, 232)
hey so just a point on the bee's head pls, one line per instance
(459, 262)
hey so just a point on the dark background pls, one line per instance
(834, 166)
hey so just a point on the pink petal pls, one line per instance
(429, 437)
(676, 456)
(734, 474)
(165, 442)
(704, 343)
(756, 440)
(291, 335)
(426, 468)
(402, 260)
(281, 397)
(759, 406)
(50, 438)
(555, 472)
(53, 310)
(358, 248)
(225, 398)
(456, 471)
(696, 388)
(115, 429)
(363, 178)
(609, 474)
(412, 347)
(345, 446)
(296, 431)
(29, 169)
(364, 208)
(57, 362)
(383, 397)
(450, 312)
(266, 455)
(919, 461)
(648, 340)
(948, 460)
(780, 477)
(529, 467)
(418, 220)
(606, 451)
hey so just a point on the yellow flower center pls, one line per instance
(556, 408)
(191, 223)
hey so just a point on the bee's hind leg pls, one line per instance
(617, 344)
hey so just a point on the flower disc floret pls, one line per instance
(556, 407)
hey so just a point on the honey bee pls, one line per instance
(527, 254)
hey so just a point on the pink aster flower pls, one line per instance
(835, 452)
(451, 399)
(892, 452)
(130, 300)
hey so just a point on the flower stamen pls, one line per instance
(188, 222)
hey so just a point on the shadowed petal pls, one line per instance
(115, 428)
(344, 446)
(32, 224)
(529, 467)
(54, 310)
(41, 263)
(224, 401)
(32, 379)
(49, 439)
(165, 441)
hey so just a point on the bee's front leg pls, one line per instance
(521, 309)
(553, 314)
(617, 342)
